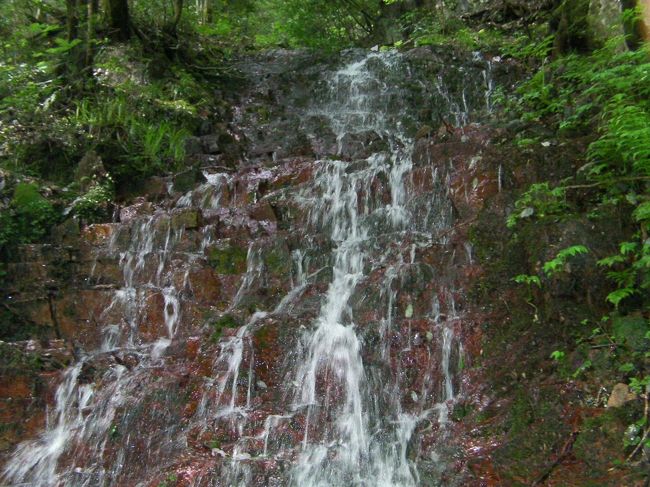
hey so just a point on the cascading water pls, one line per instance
(349, 407)
(346, 452)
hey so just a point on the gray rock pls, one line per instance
(193, 146)
(210, 144)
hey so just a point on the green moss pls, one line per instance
(169, 481)
(264, 337)
(213, 444)
(630, 331)
(277, 261)
(534, 431)
(226, 321)
(228, 260)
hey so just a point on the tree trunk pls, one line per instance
(93, 7)
(119, 20)
(72, 19)
(635, 28)
(571, 27)
(206, 11)
(178, 13)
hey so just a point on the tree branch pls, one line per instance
(602, 183)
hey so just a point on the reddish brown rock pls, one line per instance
(99, 234)
(205, 286)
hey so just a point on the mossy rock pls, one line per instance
(31, 217)
(226, 321)
(230, 259)
(188, 180)
(277, 260)
(599, 444)
(631, 331)
(187, 219)
(13, 327)
(534, 431)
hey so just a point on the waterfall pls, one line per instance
(351, 406)
(345, 452)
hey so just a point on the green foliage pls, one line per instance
(602, 89)
(312, 23)
(558, 263)
(639, 385)
(629, 269)
(141, 143)
(92, 206)
(522, 48)
(539, 201)
(528, 280)
(28, 218)
(442, 26)
(604, 93)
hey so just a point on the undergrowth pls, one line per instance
(605, 93)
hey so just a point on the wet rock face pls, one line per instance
(284, 112)
(27, 380)
(259, 323)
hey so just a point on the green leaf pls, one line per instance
(628, 247)
(526, 279)
(642, 212)
(619, 295)
(611, 261)
(626, 368)
(558, 263)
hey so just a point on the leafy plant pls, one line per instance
(539, 201)
(92, 206)
(528, 280)
(29, 217)
(558, 263)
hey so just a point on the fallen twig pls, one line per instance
(566, 450)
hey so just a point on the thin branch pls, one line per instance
(602, 183)
(564, 453)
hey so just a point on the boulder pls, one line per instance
(209, 144)
(188, 180)
(193, 146)
(154, 188)
(90, 167)
(620, 396)
(140, 208)
(99, 234)
(188, 219)
(361, 145)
